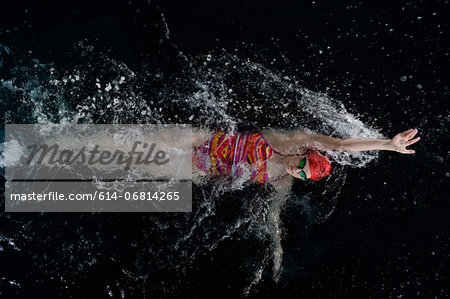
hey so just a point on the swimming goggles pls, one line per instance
(301, 165)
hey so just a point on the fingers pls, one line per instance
(411, 133)
(412, 141)
(408, 135)
(405, 134)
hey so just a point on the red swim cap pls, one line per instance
(319, 166)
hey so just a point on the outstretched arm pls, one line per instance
(398, 143)
(283, 189)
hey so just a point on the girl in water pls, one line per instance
(279, 157)
(273, 155)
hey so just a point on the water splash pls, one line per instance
(209, 91)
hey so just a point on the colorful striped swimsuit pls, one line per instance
(234, 155)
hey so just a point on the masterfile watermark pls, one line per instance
(105, 157)
(46, 164)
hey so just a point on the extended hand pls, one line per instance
(404, 139)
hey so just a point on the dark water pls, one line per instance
(381, 227)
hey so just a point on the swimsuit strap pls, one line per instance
(275, 151)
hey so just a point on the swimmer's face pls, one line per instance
(293, 167)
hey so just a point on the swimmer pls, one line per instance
(296, 151)
(278, 157)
